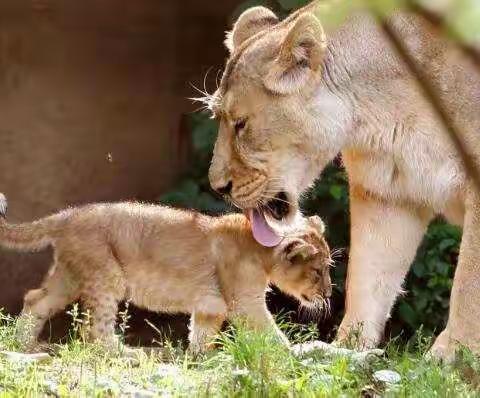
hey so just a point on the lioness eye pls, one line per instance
(240, 125)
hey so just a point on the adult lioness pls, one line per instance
(292, 97)
(166, 260)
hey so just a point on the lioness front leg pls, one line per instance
(463, 326)
(384, 239)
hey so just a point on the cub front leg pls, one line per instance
(384, 239)
(463, 326)
(205, 322)
(256, 315)
(203, 330)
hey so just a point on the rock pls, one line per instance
(324, 379)
(364, 357)
(370, 392)
(164, 370)
(51, 386)
(313, 347)
(130, 390)
(106, 383)
(307, 362)
(387, 376)
(142, 394)
(18, 357)
(136, 391)
(240, 372)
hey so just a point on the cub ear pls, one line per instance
(299, 250)
(317, 223)
(249, 23)
(300, 56)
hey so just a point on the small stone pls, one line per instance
(142, 394)
(132, 362)
(105, 383)
(130, 390)
(312, 347)
(51, 386)
(369, 392)
(165, 370)
(325, 379)
(307, 362)
(240, 372)
(19, 357)
(364, 357)
(387, 376)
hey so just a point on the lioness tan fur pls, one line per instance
(293, 95)
(165, 260)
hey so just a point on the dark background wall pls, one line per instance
(92, 95)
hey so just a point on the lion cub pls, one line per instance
(165, 260)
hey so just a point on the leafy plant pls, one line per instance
(429, 282)
(193, 191)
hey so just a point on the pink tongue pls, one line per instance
(262, 232)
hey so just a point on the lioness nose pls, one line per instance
(225, 190)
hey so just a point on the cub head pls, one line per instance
(264, 156)
(302, 264)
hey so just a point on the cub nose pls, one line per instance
(225, 190)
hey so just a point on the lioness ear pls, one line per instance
(249, 23)
(300, 56)
(317, 223)
(299, 249)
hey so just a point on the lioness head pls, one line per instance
(302, 264)
(263, 157)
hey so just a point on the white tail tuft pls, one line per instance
(3, 205)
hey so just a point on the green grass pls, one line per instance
(246, 364)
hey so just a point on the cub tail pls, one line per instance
(26, 236)
(3, 206)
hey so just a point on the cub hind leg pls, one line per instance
(101, 308)
(56, 292)
(101, 293)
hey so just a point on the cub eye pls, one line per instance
(240, 125)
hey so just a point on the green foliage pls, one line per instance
(193, 191)
(289, 5)
(430, 280)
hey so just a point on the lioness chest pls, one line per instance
(422, 178)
